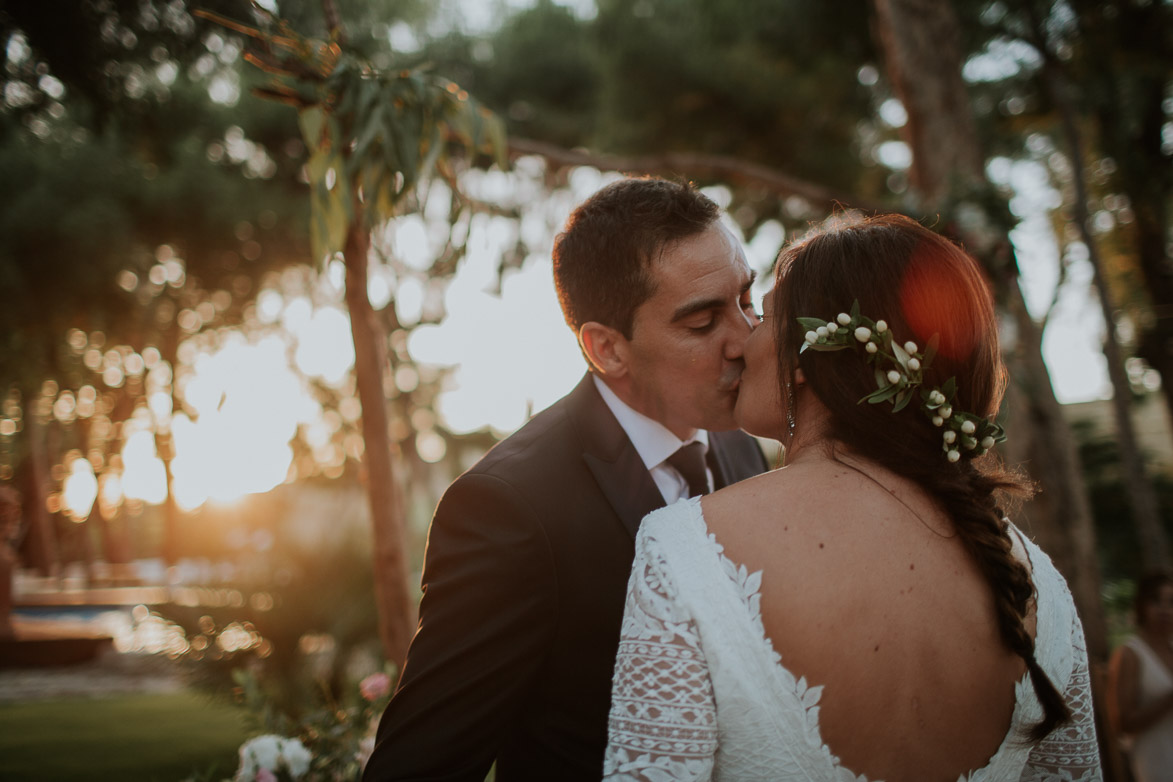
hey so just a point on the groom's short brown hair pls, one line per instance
(602, 258)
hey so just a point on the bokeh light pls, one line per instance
(80, 490)
(248, 403)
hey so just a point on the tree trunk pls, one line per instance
(9, 531)
(1063, 510)
(395, 606)
(41, 541)
(1145, 511)
(921, 41)
(165, 449)
(1125, 94)
(1141, 496)
(1156, 348)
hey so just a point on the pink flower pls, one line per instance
(375, 686)
(265, 775)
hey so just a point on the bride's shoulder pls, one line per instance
(792, 487)
(791, 498)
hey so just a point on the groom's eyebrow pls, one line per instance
(700, 305)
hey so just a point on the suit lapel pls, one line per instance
(631, 499)
(734, 456)
(612, 459)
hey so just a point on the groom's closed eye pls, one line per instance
(702, 325)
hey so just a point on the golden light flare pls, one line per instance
(80, 488)
(110, 492)
(144, 477)
(248, 404)
(324, 346)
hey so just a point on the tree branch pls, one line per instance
(723, 167)
(333, 20)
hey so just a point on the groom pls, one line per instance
(529, 552)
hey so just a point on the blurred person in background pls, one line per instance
(1140, 683)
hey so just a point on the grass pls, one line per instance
(143, 738)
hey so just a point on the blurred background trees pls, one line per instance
(157, 214)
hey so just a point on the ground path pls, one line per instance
(112, 673)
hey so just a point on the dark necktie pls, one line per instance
(689, 461)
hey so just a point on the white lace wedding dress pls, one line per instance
(699, 692)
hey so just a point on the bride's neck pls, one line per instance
(810, 441)
(828, 450)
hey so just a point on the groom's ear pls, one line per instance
(605, 348)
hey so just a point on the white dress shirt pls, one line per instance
(654, 444)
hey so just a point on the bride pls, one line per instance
(866, 612)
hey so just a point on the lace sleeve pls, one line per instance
(663, 721)
(1070, 753)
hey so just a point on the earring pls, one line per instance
(791, 424)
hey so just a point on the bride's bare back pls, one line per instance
(866, 590)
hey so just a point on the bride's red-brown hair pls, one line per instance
(921, 284)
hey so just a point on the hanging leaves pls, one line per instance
(382, 135)
(372, 136)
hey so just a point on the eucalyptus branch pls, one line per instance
(266, 59)
(333, 20)
(722, 167)
(282, 94)
(231, 24)
(464, 200)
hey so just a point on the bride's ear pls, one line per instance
(799, 378)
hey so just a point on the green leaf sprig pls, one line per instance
(372, 135)
(899, 371)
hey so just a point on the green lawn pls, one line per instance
(131, 738)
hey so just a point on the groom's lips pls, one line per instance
(731, 387)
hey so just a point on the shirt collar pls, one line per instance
(652, 440)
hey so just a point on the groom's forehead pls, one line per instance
(708, 266)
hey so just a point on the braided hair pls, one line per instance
(921, 284)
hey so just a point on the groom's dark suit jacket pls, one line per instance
(525, 577)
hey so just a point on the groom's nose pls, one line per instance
(742, 326)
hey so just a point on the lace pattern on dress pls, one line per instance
(1071, 753)
(663, 721)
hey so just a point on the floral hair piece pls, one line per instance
(900, 372)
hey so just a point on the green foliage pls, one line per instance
(305, 603)
(93, 48)
(315, 642)
(377, 136)
(372, 135)
(338, 732)
(772, 82)
(542, 69)
(1119, 596)
(54, 270)
(105, 174)
(1117, 544)
(152, 738)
